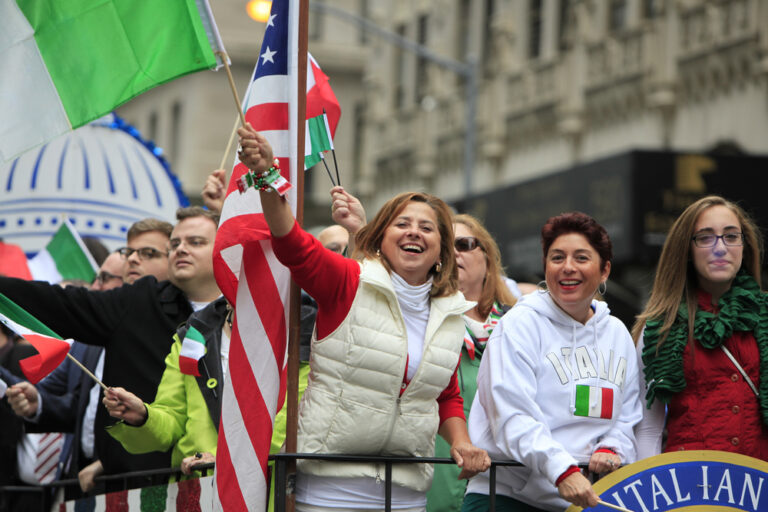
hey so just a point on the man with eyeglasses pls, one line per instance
(146, 252)
(133, 323)
(110, 273)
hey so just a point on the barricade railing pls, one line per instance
(281, 477)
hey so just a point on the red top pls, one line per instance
(717, 410)
(332, 280)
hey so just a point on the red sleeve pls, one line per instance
(329, 278)
(606, 450)
(568, 472)
(449, 402)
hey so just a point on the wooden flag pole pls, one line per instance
(292, 392)
(229, 144)
(225, 60)
(87, 371)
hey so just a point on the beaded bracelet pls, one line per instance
(264, 181)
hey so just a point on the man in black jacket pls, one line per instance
(133, 323)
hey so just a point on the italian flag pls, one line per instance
(318, 141)
(594, 402)
(64, 257)
(74, 61)
(192, 350)
(50, 347)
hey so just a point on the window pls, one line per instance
(421, 63)
(462, 25)
(400, 71)
(534, 28)
(316, 23)
(617, 15)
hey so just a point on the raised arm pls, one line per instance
(256, 154)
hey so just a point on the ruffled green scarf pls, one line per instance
(743, 308)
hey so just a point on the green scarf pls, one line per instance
(742, 308)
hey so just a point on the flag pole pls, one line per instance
(329, 172)
(229, 144)
(225, 60)
(292, 392)
(87, 371)
(333, 152)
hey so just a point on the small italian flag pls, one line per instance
(64, 257)
(318, 140)
(594, 402)
(50, 347)
(192, 350)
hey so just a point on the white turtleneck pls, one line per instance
(414, 304)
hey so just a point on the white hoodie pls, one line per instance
(525, 405)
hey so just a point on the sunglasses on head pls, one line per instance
(465, 243)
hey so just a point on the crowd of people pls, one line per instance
(414, 343)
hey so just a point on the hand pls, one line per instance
(87, 475)
(189, 463)
(255, 152)
(346, 210)
(577, 489)
(471, 459)
(602, 462)
(125, 406)
(23, 399)
(215, 190)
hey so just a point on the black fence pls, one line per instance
(284, 483)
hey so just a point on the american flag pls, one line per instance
(250, 276)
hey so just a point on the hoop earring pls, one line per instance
(438, 267)
(542, 286)
(604, 285)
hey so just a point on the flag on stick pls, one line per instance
(318, 140)
(63, 64)
(192, 350)
(64, 257)
(50, 347)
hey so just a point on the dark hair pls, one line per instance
(147, 226)
(197, 211)
(96, 248)
(583, 224)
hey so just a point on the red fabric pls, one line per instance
(568, 472)
(188, 499)
(116, 501)
(332, 280)
(605, 450)
(51, 352)
(717, 410)
(13, 262)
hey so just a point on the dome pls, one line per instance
(102, 176)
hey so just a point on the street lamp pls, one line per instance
(259, 10)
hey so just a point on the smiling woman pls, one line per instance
(703, 337)
(556, 385)
(389, 331)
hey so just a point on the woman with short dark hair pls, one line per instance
(556, 384)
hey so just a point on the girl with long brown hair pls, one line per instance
(702, 339)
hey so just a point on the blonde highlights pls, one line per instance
(494, 287)
(368, 239)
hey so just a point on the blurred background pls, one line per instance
(513, 110)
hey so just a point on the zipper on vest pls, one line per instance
(392, 423)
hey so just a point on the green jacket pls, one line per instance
(186, 411)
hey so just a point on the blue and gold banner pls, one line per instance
(690, 481)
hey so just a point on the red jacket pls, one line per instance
(717, 410)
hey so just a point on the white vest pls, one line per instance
(352, 404)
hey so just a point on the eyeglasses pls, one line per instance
(466, 243)
(145, 253)
(104, 276)
(710, 240)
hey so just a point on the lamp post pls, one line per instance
(467, 70)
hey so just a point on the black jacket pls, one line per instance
(134, 323)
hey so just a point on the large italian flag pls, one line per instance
(50, 347)
(64, 63)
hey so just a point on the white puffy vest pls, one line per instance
(353, 405)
